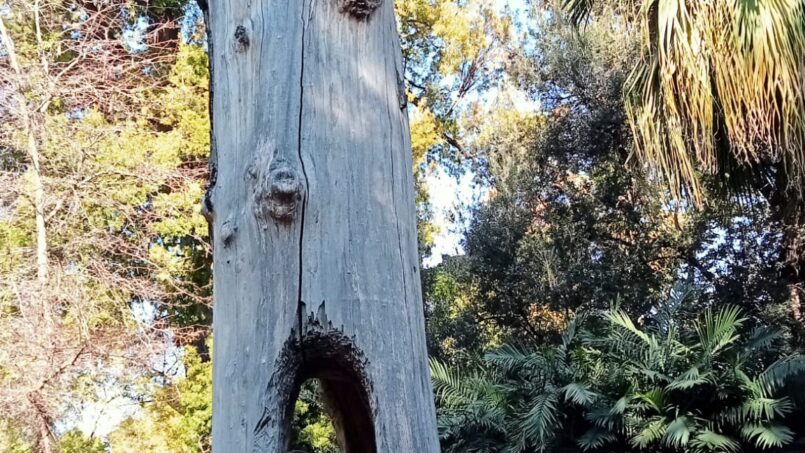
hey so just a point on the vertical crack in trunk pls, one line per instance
(396, 210)
(299, 303)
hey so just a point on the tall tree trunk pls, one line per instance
(43, 423)
(788, 209)
(39, 206)
(44, 445)
(793, 256)
(29, 126)
(312, 205)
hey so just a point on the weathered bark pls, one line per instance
(316, 269)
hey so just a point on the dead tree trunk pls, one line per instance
(312, 206)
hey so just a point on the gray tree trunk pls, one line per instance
(312, 206)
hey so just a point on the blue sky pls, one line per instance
(451, 197)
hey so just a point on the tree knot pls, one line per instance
(359, 9)
(277, 191)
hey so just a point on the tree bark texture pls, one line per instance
(312, 206)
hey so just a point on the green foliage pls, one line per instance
(76, 442)
(312, 428)
(12, 438)
(662, 384)
(455, 332)
(178, 419)
(452, 50)
(178, 416)
(568, 225)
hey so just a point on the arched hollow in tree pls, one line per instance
(324, 353)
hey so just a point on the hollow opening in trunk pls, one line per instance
(327, 419)
(331, 381)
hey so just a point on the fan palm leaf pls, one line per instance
(768, 435)
(720, 89)
(707, 440)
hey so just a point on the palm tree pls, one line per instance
(667, 385)
(720, 90)
(721, 83)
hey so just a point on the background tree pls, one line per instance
(454, 52)
(567, 225)
(719, 91)
(570, 226)
(123, 243)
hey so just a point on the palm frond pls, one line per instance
(655, 398)
(677, 433)
(707, 440)
(689, 379)
(652, 432)
(720, 329)
(453, 389)
(509, 358)
(596, 437)
(621, 319)
(760, 339)
(538, 424)
(768, 435)
(668, 312)
(757, 410)
(579, 10)
(603, 418)
(778, 373)
(716, 75)
(735, 63)
(579, 393)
